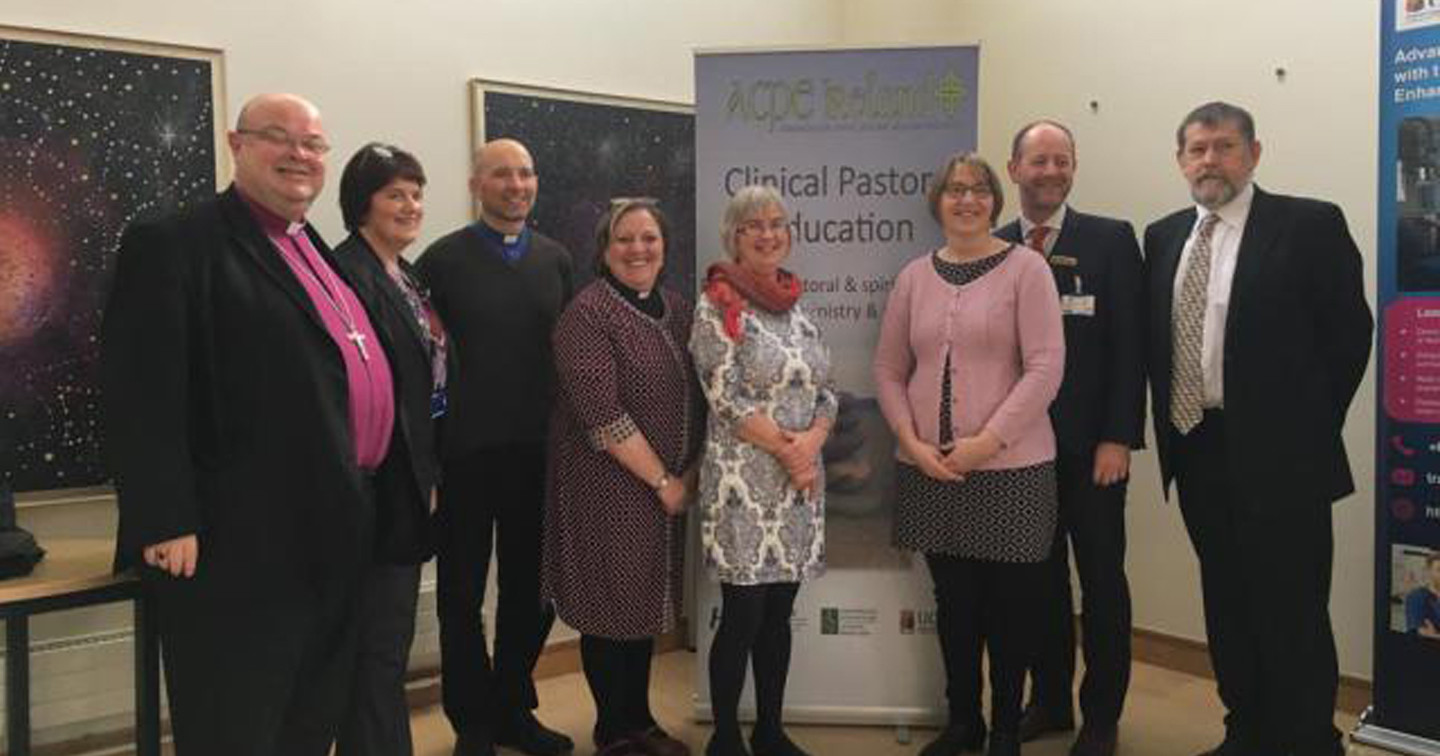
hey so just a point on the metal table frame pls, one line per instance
(16, 613)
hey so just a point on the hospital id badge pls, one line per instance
(1076, 304)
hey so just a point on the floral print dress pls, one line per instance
(755, 528)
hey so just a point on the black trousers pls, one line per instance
(754, 626)
(1092, 522)
(254, 671)
(377, 722)
(1265, 575)
(618, 672)
(986, 606)
(492, 499)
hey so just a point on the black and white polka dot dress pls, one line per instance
(1006, 515)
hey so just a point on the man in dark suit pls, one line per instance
(1099, 416)
(249, 419)
(499, 287)
(1259, 334)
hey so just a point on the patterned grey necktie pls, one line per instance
(1187, 330)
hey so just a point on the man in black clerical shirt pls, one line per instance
(499, 287)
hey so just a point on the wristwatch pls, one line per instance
(661, 482)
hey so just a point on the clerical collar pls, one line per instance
(651, 303)
(269, 222)
(512, 246)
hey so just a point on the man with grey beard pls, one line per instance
(1259, 334)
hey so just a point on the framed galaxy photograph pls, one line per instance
(589, 148)
(94, 133)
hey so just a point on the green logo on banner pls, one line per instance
(805, 104)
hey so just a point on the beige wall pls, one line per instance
(1145, 64)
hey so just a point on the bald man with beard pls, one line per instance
(499, 286)
(249, 411)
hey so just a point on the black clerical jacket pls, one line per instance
(226, 409)
(404, 522)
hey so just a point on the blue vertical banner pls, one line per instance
(1405, 715)
(851, 139)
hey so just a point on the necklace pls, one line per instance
(337, 303)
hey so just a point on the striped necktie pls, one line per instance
(1036, 239)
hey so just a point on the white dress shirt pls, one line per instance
(1224, 249)
(1055, 222)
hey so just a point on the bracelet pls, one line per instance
(661, 482)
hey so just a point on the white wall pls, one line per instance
(1146, 64)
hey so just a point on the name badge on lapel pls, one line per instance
(1063, 261)
(1082, 305)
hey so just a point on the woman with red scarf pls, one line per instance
(766, 374)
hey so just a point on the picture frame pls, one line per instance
(95, 132)
(590, 147)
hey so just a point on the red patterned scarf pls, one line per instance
(732, 288)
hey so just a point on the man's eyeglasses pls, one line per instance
(278, 137)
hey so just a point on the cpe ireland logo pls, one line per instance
(932, 99)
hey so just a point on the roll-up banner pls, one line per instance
(851, 139)
(1405, 714)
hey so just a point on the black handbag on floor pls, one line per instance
(19, 553)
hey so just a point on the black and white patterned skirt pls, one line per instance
(997, 515)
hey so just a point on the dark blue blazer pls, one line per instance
(1102, 397)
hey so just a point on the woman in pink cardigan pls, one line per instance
(970, 355)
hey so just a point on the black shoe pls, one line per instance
(653, 741)
(956, 739)
(1039, 720)
(726, 745)
(1095, 741)
(774, 744)
(473, 744)
(1002, 744)
(525, 734)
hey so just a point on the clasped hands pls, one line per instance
(799, 454)
(953, 465)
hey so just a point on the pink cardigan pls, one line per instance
(1008, 355)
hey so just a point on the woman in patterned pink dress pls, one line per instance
(623, 438)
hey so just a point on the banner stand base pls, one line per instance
(1392, 740)
(902, 718)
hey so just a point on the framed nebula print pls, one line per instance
(94, 133)
(589, 148)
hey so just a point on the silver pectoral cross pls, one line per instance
(359, 338)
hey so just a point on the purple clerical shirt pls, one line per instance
(372, 396)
